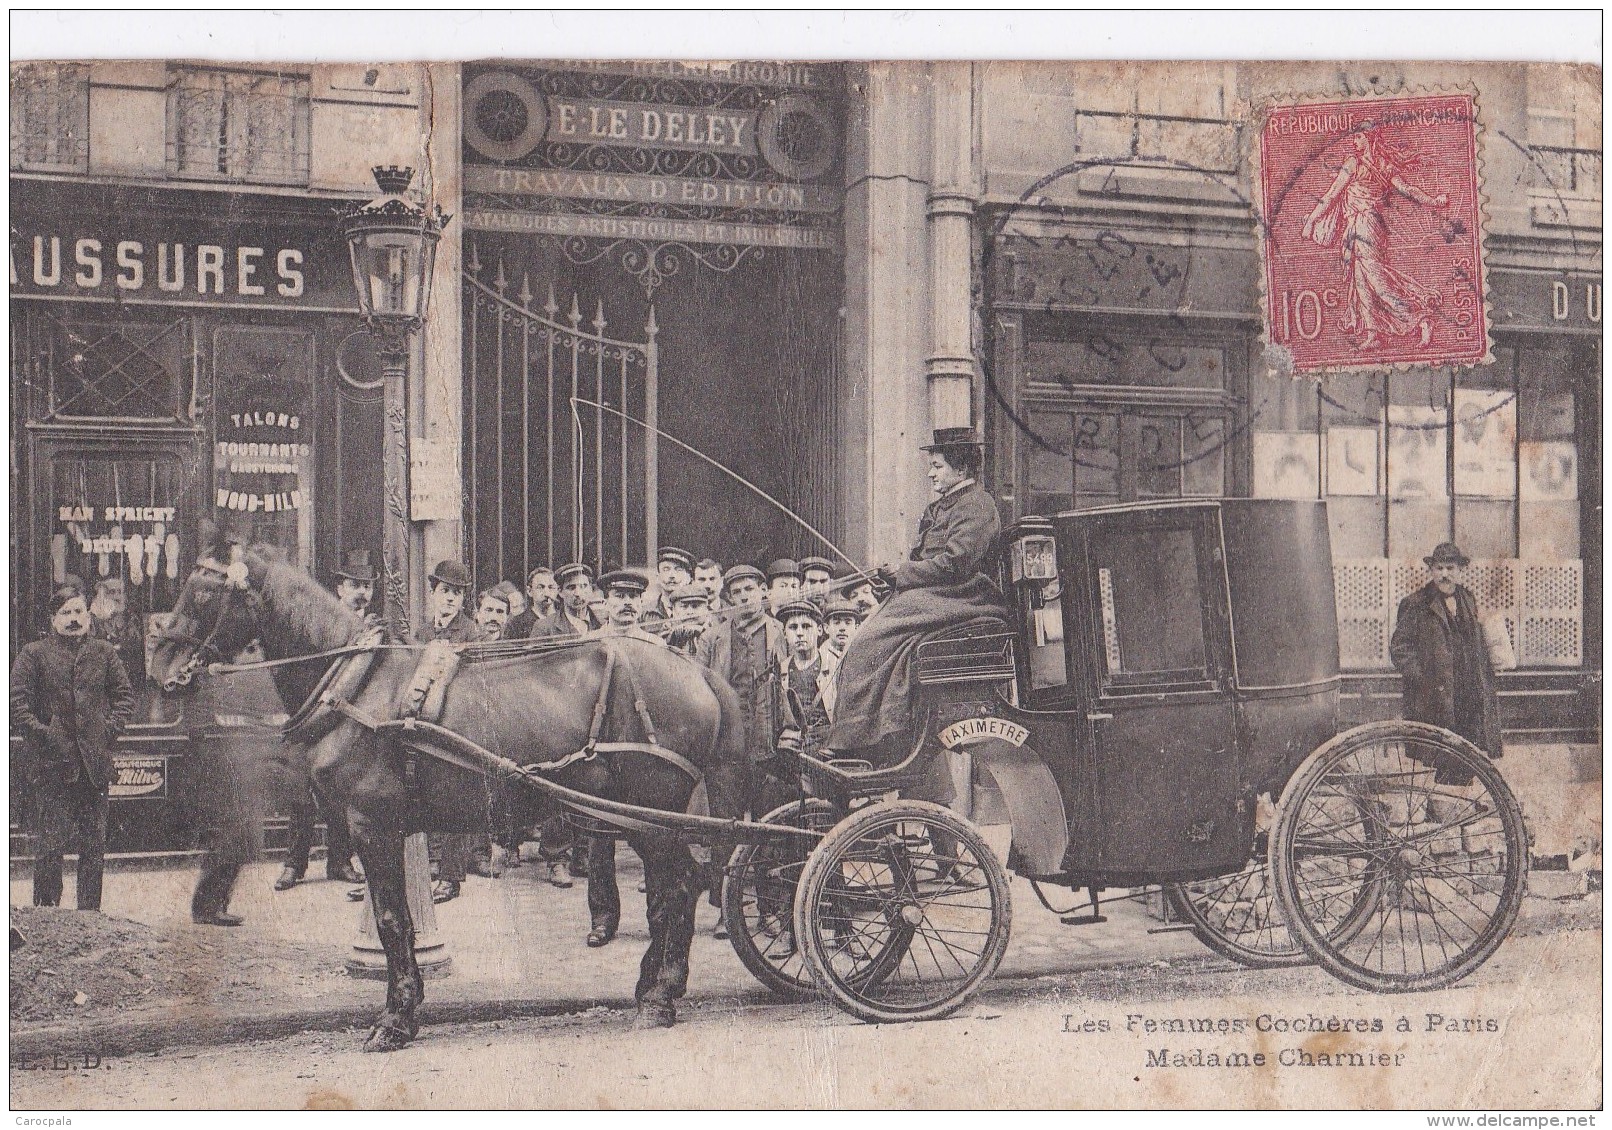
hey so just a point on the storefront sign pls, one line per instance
(717, 130)
(138, 775)
(758, 73)
(1545, 300)
(170, 259)
(656, 230)
(653, 190)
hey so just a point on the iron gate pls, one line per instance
(546, 484)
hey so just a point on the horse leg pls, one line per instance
(673, 888)
(382, 856)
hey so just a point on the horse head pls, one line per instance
(214, 618)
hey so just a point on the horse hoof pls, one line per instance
(651, 1016)
(386, 1038)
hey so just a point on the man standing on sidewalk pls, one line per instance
(71, 697)
(624, 603)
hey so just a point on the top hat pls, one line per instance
(631, 580)
(451, 573)
(783, 567)
(679, 557)
(355, 566)
(689, 592)
(821, 563)
(573, 569)
(947, 439)
(739, 572)
(839, 606)
(1447, 553)
(799, 608)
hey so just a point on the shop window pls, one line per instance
(50, 117)
(1150, 608)
(247, 126)
(116, 522)
(105, 370)
(1485, 456)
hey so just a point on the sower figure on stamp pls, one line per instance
(945, 582)
(1380, 299)
(1440, 651)
(71, 698)
(355, 588)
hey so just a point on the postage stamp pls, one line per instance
(1373, 240)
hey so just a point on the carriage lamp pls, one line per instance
(1034, 555)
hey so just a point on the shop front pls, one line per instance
(1124, 367)
(178, 356)
(664, 241)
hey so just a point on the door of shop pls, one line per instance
(550, 477)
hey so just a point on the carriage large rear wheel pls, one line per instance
(758, 900)
(903, 912)
(1409, 833)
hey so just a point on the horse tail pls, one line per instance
(728, 777)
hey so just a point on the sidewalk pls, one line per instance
(517, 949)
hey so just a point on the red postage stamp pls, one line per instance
(1373, 248)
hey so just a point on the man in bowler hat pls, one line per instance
(1439, 650)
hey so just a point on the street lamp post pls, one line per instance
(393, 245)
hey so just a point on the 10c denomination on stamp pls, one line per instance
(1372, 235)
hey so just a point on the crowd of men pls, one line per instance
(776, 635)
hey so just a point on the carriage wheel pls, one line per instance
(1238, 917)
(1398, 855)
(758, 900)
(903, 912)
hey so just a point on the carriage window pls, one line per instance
(1151, 614)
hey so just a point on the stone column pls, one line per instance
(951, 367)
(887, 308)
(436, 415)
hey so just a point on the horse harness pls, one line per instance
(426, 695)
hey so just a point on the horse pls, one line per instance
(534, 705)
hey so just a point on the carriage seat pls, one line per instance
(979, 650)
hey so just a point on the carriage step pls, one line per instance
(1173, 928)
(1083, 919)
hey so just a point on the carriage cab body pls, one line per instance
(1163, 666)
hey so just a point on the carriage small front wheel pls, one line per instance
(758, 900)
(1410, 834)
(903, 911)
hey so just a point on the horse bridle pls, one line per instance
(204, 647)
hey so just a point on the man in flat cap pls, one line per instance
(1439, 650)
(623, 591)
(574, 616)
(674, 568)
(783, 583)
(816, 574)
(841, 619)
(691, 615)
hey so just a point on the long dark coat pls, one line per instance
(759, 691)
(71, 701)
(1448, 681)
(942, 584)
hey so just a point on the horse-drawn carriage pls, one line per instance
(1168, 671)
(1158, 707)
